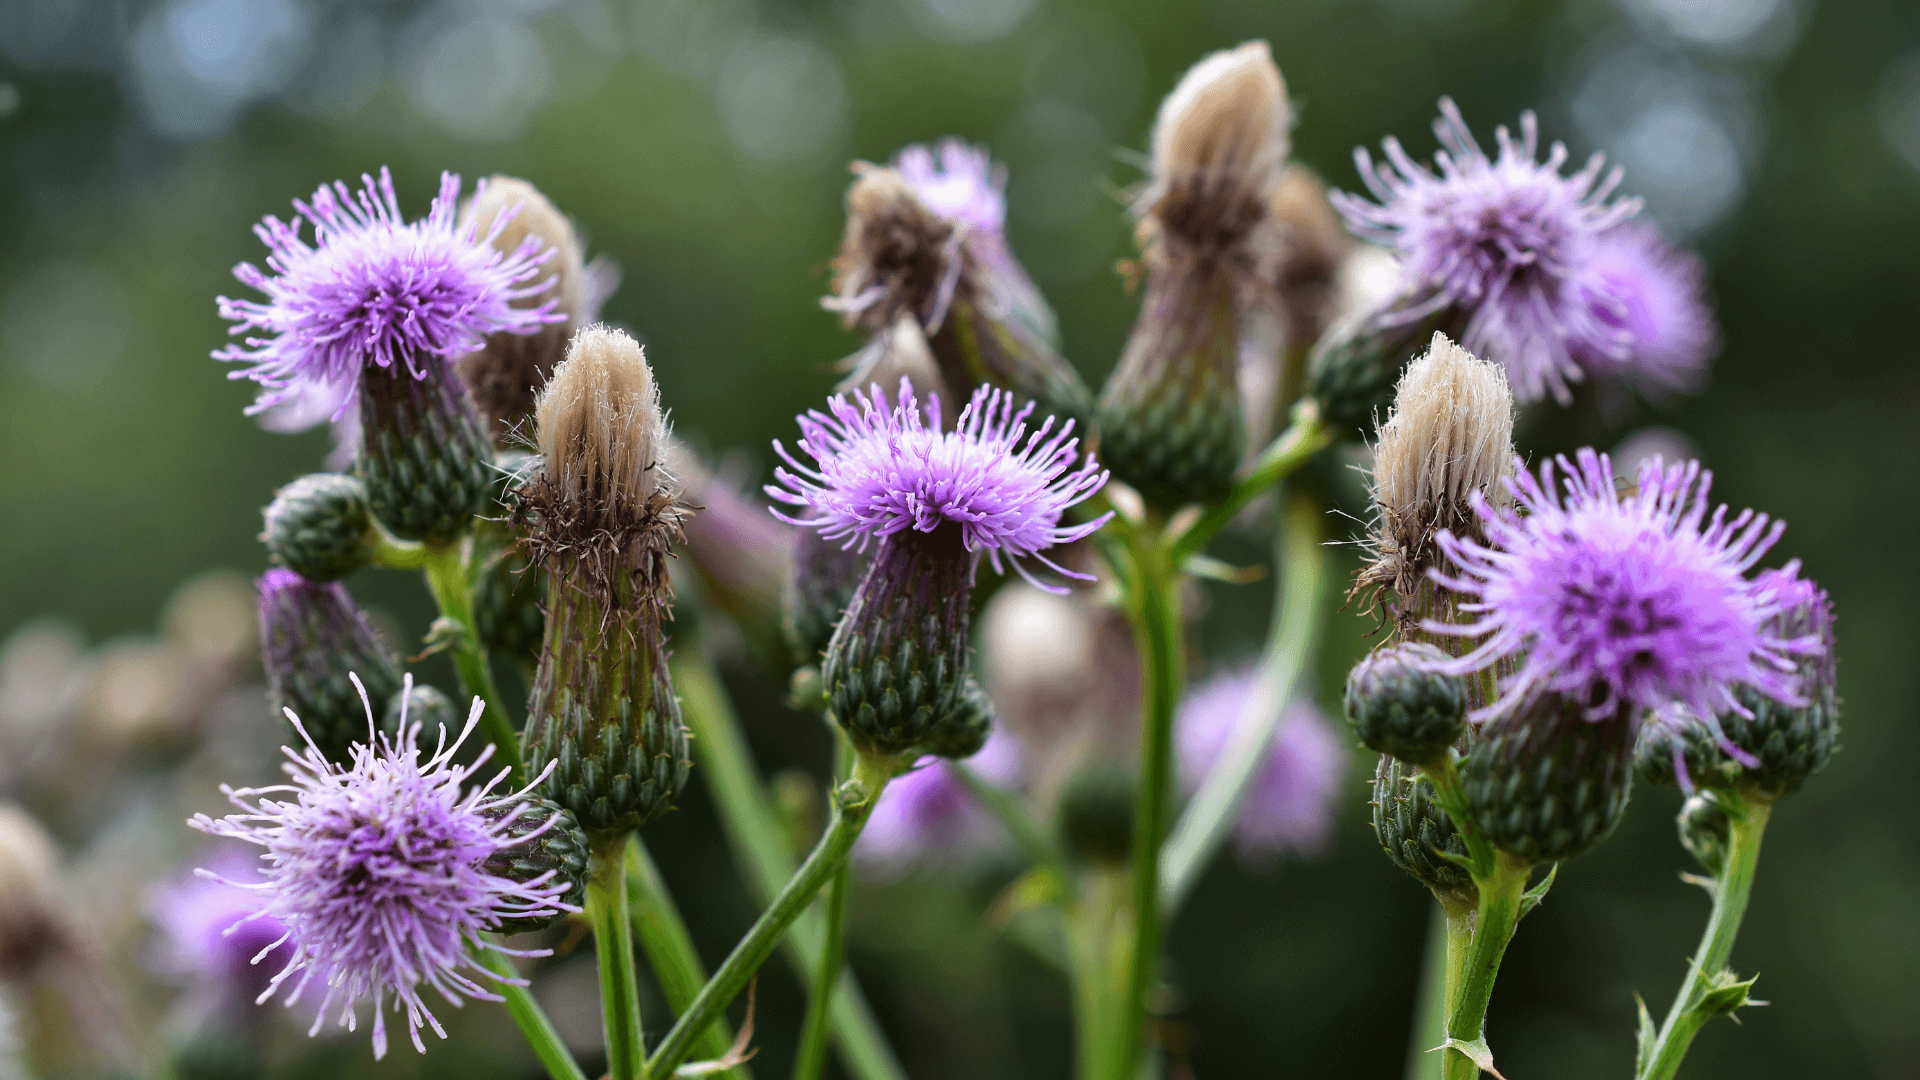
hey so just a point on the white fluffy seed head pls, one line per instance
(564, 272)
(1223, 130)
(1450, 433)
(601, 428)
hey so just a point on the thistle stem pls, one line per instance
(453, 591)
(759, 847)
(1501, 892)
(1747, 820)
(669, 948)
(613, 948)
(1209, 817)
(1153, 607)
(1305, 436)
(1449, 939)
(852, 804)
(533, 1022)
(812, 1059)
(1092, 924)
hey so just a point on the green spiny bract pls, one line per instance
(312, 637)
(424, 455)
(561, 850)
(1416, 833)
(319, 527)
(1544, 783)
(1401, 706)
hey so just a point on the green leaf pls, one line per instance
(1532, 897)
(1476, 1051)
(1646, 1039)
(1725, 993)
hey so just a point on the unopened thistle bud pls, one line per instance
(1171, 422)
(897, 670)
(1401, 705)
(926, 244)
(312, 637)
(1448, 438)
(603, 515)
(544, 846)
(1416, 833)
(318, 526)
(1352, 367)
(423, 453)
(506, 374)
(418, 703)
(1546, 782)
(506, 607)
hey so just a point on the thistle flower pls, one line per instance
(924, 243)
(1508, 243)
(1656, 295)
(1171, 421)
(602, 514)
(375, 870)
(896, 669)
(212, 931)
(1289, 809)
(373, 290)
(505, 374)
(1633, 600)
(315, 644)
(927, 818)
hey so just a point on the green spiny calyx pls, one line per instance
(506, 607)
(896, 669)
(826, 573)
(976, 347)
(1400, 704)
(1416, 833)
(312, 637)
(424, 455)
(1352, 369)
(1545, 783)
(319, 527)
(545, 840)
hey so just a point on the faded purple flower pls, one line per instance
(926, 816)
(373, 289)
(375, 871)
(214, 933)
(880, 469)
(1657, 296)
(1509, 241)
(1636, 600)
(963, 183)
(1290, 807)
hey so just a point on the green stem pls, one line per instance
(613, 947)
(759, 847)
(812, 1061)
(1304, 437)
(852, 804)
(1747, 819)
(1449, 939)
(1013, 817)
(1153, 607)
(533, 1021)
(1091, 925)
(1296, 627)
(453, 591)
(669, 948)
(1500, 898)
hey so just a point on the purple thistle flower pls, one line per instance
(212, 930)
(1291, 805)
(1637, 600)
(375, 872)
(1656, 295)
(926, 816)
(881, 469)
(1509, 241)
(964, 184)
(374, 289)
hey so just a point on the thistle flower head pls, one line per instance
(1219, 144)
(1656, 295)
(372, 289)
(959, 182)
(1508, 240)
(1290, 806)
(899, 257)
(1622, 602)
(880, 468)
(375, 871)
(601, 428)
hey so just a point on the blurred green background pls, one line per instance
(703, 145)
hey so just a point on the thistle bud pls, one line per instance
(504, 375)
(420, 704)
(424, 456)
(1679, 736)
(506, 607)
(1314, 245)
(312, 636)
(741, 556)
(1096, 812)
(1171, 421)
(1789, 743)
(1352, 368)
(543, 842)
(1704, 831)
(1401, 706)
(318, 526)
(1544, 782)
(926, 245)
(602, 515)
(1449, 435)
(1415, 832)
